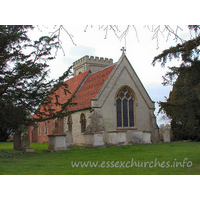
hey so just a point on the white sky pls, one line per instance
(140, 53)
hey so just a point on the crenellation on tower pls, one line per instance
(90, 63)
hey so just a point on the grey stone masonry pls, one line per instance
(90, 63)
(94, 131)
(57, 142)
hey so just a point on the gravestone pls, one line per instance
(89, 140)
(137, 137)
(98, 139)
(94, 131)
(117, 138)
(121, 138)
(112, 138)
(69, 139)
(17, 141)
(25, 144)
(57, 142)
(146, 137)
(166, 135)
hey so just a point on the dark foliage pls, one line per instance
(183, 104)
(23, 78)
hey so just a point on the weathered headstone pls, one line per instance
(98, 139)
(25, 144)
(112, 138)
(94, 131)
(69, 139)
(25, 141)
(166, 135)
(121, 138)
(17, 141)
(89, 140)
(57, 142)
(138, 137)
(146, 137)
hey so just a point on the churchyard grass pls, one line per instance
(111, 160)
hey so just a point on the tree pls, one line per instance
(183, 104)
(122, 32)
(23, 79)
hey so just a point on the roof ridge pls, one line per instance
(103, 68)
(80, 86)
(76, 76)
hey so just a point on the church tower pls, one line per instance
(90, 63)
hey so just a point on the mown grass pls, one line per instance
(59, 163)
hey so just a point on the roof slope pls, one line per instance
(90, 89)
(84, 87)
(73, 85)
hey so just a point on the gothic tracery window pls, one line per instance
(125, 108)
(83, 123)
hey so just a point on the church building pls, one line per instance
(112, 107)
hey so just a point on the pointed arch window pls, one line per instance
(83, 123)
(69, 123)
(125, 108)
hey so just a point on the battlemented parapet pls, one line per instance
(90, 63)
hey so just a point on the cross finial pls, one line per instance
(123, 50)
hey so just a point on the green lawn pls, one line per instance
(152, 159)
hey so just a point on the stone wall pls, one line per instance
(124, 76)
(78, 137)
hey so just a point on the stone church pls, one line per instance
(112, 107)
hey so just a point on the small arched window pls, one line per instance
(69, 123)
(83, 123)
(125, 108)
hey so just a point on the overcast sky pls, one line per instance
(139, 50)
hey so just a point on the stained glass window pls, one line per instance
(131, 112)
(119, 113)
(125, 108)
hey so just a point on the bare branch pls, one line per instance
(71, 36)
(171, 31)
(161, 30)
(58, 32)
(136, 32)
(116, 30)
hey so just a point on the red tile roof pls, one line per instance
(86, 90)
(73, 85)
(90, 89)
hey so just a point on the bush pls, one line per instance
(9, 153)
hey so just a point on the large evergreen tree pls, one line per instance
(183, 104)
(23, 79)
